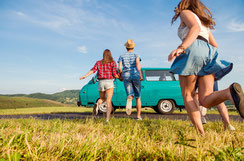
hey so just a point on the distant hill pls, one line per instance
(25, 102)
(68, 96)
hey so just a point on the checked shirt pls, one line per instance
(105, 71)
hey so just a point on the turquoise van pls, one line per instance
(159, 89)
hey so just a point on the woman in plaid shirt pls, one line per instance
(106, 73)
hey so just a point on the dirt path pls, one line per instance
(84, 115)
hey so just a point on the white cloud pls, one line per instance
(236, 26)
(82, 49)
(72, 21)
(19, 13)
(53, 22)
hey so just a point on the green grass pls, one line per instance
(23, 105)
(212, 111)
(121, 139)
(43, 110)
(24, 102)
(177, 111)
(46, 110)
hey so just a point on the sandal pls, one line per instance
(238, 97)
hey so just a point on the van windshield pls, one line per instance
(159, 75)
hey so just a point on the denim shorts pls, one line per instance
(132, 84)
(105, 84)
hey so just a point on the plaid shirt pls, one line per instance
(129, 62)
(105, 71)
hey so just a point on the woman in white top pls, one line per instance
(196, 58)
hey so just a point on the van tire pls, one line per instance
(166, 106)
(112, 112)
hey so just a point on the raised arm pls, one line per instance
(138, 66)
(190, 21)
(93, 70)
(188, 18)
(89, 73)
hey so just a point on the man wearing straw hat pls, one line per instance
(132, 77)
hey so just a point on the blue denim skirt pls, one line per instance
(201, 59)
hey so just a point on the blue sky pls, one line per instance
(46, 45)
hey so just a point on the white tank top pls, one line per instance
(183, 30)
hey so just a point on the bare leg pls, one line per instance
(207, 97)
(138, 107)
(197, 103)
(187, 84)
(206, 90)
(100, 101)
(109, 93)
(102, 97)
(224, 114)
(222, 110)
(129, 105)
(201, 109)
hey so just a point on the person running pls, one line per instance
(132, 77)
(106, 73)
(196, 58)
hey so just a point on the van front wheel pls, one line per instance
(166, 106)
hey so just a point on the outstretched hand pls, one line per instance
(83, 77)
(174, 54)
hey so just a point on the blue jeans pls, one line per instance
(132, 84)
(216, 87)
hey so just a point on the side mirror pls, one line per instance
(94, 80)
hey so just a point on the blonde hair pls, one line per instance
(107, 57)
(197, 7)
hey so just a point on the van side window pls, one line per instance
(159, 75)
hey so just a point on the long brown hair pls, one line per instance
(107, 57)
(197, 7)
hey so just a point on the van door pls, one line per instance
(92, 91)
(119, 96)
(159, 84)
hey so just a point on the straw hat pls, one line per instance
(130, 44)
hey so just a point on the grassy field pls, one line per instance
(25, 105)
(46, 110)
(120, 139)
(43, 110)
(25, 102)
